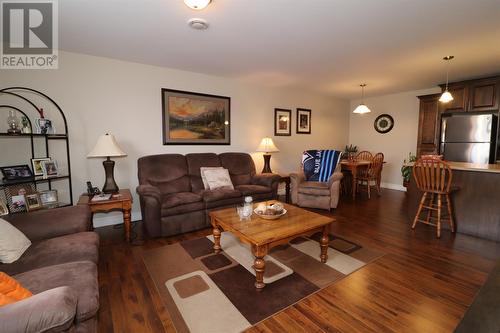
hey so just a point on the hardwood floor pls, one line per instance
(422, 284)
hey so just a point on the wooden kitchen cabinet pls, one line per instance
(428, 125)
(473, 95)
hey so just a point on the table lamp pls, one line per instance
(267, 146)
(106, 146)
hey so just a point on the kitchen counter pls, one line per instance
(476, 202)
(464, 166)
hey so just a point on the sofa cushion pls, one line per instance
(168, 172)
(314, 188)
(240, 165)
(253, 189)
(181, 198)
(220, 194)
(58, 250)
(13, 243)
(181, 209)
(80, 276)
(197, 161)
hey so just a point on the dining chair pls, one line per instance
(364, 156)
(372, 173)
(433, 177)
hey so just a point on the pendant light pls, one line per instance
(197, 4)
(446, 96)
(362, 108)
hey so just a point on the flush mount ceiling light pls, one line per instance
(197, 4)
(446, 96)
(362, 108)
(198, 24)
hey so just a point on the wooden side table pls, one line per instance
(286, 179)
(121, 201)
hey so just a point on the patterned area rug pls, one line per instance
(207, 292)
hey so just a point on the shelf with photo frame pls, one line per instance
(30, 122)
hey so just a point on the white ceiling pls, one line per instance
(324, 45)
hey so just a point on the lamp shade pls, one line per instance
(267, 146)
(446, 97)
(361, 108)
(106, 146)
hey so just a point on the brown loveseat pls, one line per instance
(59, 268)
(173, 199)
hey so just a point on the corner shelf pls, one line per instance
(23, 96)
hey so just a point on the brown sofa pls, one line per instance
(59, 268)
(173, 199)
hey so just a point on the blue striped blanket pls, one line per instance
(319, 165)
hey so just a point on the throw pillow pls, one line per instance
(11, 291)
(319, 165)
(203, 178)
(218, 178)
(13, 242)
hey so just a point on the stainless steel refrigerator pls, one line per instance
(468, 138)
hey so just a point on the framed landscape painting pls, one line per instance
(195, 119)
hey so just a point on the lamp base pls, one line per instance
(110, 184)
(267, 164)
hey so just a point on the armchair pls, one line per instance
(324, 195)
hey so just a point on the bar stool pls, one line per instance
(433, 177)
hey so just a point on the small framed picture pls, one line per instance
(303, 121)
(49, 168)
(32, 201)
(282, 122)
(18, 203)
(15, 195)
(3, 208)
(49, 198)
(16, 172)
(36, 163)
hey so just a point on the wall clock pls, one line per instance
(384, 123)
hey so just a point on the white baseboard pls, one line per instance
(102, 220)
(391, 186)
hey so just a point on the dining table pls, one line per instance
(354, 166)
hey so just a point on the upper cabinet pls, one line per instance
(473, 95)
(428, 125)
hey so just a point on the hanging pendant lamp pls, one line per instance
(446, 96)
(362, 108)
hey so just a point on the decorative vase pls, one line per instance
(13, 123)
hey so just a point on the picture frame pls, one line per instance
(16, 172)
(191, 118)
(303, 121)
(48, 198)
(15, 195)
(282, 122)
(4, 210)
(36, 164)
(49, 168)
(32, 202)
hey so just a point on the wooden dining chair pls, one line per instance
(433, 177)
(364, 156)
(372, 173)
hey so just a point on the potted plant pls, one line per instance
(406, 169)
(349, 152)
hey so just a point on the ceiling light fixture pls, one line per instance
(197, 4)
(362, 108)
(446, 96)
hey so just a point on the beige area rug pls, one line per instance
(207, 292)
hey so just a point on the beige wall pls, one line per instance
(398, 143)
(101, 95)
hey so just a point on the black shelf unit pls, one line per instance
(22, 95)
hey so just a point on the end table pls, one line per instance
(121, 201)
(286, 179)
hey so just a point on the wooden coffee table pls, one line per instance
(262, 235)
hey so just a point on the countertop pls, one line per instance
(463, 166)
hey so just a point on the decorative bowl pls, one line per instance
(269, 216)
